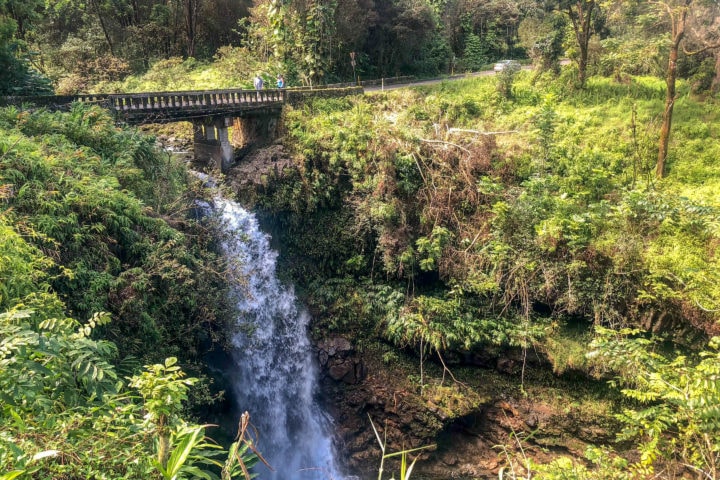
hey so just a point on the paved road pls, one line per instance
(433, 81)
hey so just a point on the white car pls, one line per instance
(506, 64)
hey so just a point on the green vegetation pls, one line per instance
(94, 199)
(448, 238)
(231, 68)
(405, 470)
(82, 214)
(678, 419)
(554, 213)
(16, 76)
(561, 211)
(103, 45)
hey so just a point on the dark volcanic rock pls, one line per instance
(339, 362)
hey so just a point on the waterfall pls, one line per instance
(275, 376)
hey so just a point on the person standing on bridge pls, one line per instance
(258, 82)
(280, 81)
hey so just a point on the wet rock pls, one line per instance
(339, 361)
(337, 347)
(466, 433)
(253, 169)
(505, 406)
(346, 371)
(449, 459)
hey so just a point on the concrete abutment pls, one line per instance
(212, 144)
(256, 130)
(215, 150)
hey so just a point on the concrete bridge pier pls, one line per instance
(212, 143)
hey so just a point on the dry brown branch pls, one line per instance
(244, 424)
(704, 49)
(473, 242)
(419, 169)
(446, 143)
(478, 132)
(446, 369)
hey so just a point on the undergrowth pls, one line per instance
(101, 203)
(558, 208)
(464, 220)
(102, 271)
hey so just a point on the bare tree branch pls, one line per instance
(478, 132)
(446, 144)
(704, 49)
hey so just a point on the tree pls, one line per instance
(413, 29)
(542, 36)
(677, 13)
(97, 8)
(353, 19)
(192, 12)
(473, 58)
(24, 12)
(704, 30)
(581, 14)
(676, 414)
(297, 38)
(495, 22)
(266, 30)
(16, 76)
(317, 39)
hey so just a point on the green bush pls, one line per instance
(92, 197)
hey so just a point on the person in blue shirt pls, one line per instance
(280, 81)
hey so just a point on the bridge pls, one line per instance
(253, 115)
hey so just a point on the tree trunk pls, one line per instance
(103, 26)
(667, 114)
(582, 26)
(716, 81)
(191, 13)
(678, 32)
(136, 12)
(582, 67)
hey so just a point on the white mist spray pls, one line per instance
(275, 374)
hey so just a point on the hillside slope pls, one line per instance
(475, 246)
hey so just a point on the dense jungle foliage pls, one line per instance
(549, 211)
(97, 279)
(103, 45)
(451, 220)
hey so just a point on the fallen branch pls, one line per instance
(478, 132)
(446, 143)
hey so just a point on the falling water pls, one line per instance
(275, 374)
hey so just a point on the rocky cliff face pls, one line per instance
(474, 426)
(339, 361)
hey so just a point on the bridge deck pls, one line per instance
(160, 107)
